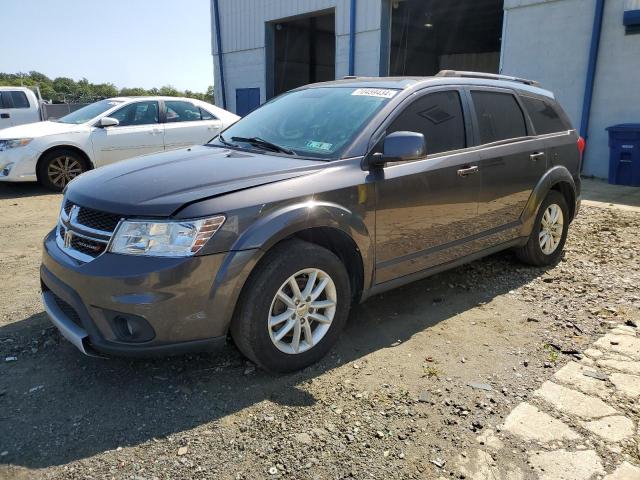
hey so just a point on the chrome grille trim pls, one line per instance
(68, 222)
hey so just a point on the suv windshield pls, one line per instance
(85, 114)
(316, 122)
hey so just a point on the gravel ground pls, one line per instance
(418, 375)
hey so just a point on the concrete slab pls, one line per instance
(599, 193)
(593, 353)
(626, 471)
(573, 402)
(573, 374)
(480, 466)
(564, 465)
(529, 423)
(612, 429)
(620, 365)
(489, 439)
(624, 344)
(627, 384)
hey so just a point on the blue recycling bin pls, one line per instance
(624, 157)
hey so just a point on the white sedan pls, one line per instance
(53, 153)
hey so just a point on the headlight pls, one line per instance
(164, 239)
(14, 143)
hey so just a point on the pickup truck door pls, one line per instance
(426, 209)
(187, 125)
(139, 132)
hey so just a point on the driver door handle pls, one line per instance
(536, 156)
(465, 172)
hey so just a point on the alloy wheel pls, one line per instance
(551, 228)
(62, 170)
(302, 311)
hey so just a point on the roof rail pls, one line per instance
(489, 76)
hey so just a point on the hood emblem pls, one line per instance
(68, 236)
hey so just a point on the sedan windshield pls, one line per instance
(316, 122)
(85, 114)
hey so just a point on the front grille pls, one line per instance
(68, 310)
(84, 233)
(94, 219)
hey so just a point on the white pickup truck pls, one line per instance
(19, 105)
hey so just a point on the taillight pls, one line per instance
(581, 145)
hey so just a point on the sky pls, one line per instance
(130, 43)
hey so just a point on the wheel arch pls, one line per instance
(557, 178)
(326, 224)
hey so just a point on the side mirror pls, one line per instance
(108, 122)
(399, 147)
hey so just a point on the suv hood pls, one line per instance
(158, 185)
(40, 129)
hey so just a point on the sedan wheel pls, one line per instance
(302, 311)
(61, 170)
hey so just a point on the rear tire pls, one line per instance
(549, 234)
(280, 329)
(58, 167)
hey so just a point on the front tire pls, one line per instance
(549, 234)
(58, 167)
(293, 307)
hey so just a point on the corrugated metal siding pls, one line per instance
(243, 39)
(243, 20)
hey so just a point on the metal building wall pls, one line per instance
(549, 40)
(242, 29)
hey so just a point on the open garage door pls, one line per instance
(432, 35)
(304, 51)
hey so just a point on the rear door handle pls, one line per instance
(5, 115)
(536, 156)
(464, 172)
(155, 132)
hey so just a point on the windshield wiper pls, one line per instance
(224, 142)
(264, 144)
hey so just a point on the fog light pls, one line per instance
(131, 328)
(7, 169)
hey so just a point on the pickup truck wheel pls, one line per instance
(549, 234)
(57, 168)
(292, 308)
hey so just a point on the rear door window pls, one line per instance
(20, 99)
(499, 116)
(438, 116)
(544, 116)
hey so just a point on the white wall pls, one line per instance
(549, 40)
(243, 39)
(616, 96)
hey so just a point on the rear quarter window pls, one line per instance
(544, 116)
(499, 116)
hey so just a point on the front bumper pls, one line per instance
(18, 164)
(187, 302)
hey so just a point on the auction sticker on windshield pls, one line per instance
(319, 145)
(375, 92)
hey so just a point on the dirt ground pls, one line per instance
(418, 374)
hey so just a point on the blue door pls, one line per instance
(247, 99)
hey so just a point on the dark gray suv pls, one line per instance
(323, 197)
